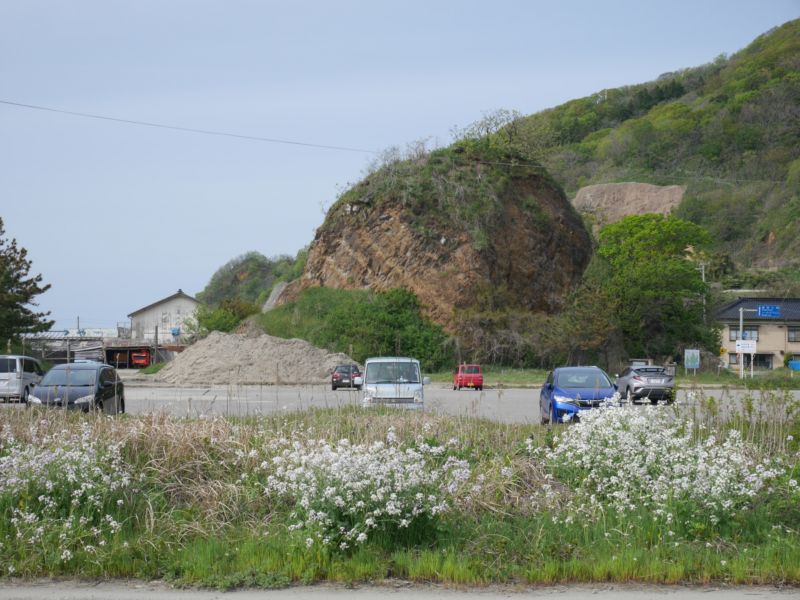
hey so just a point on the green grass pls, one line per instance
(496, 376)
(153, 369)
(775, 379)
(192, 521)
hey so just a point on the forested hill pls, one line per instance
(728, 130)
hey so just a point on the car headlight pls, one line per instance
(564, 399)
(34, 399)
(418, 396)
(84, 400)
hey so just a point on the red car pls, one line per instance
(344, 376)
(469, 376)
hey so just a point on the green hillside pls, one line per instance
(250, 277)
(728, 130)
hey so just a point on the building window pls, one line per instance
(750, 332)
(794, 334)
(733, 358)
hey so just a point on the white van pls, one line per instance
(18, 376)
(392, 381)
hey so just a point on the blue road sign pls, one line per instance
(770, 311)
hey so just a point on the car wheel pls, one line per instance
(333, 387)
(122, 404)
(544, 418)
(630, 397)
(553, 416)
(24, 397)
(653, 401)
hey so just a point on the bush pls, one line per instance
(361, 323)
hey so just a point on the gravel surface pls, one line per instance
(238, 359)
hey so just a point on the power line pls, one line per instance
(185, 129)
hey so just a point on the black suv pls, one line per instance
(83, 386)
(343, 376)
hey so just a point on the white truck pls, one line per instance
(393, 381)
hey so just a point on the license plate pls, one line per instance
(657, 381)
(345, 381)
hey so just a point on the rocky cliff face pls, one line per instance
(607, 203)
(470, 239)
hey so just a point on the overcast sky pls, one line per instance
(117, 216)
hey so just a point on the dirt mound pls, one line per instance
(609, 202)
(232, 358)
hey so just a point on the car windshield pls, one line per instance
(342, 369)
(582, 378)
(392, 372)
(76, 377)
(471, 369)
(8, 365)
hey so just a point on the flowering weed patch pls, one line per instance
(60, 497)
(627, 459)
(343, 493)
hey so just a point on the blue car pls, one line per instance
(570, 390)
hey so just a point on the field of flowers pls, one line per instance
(628, 494)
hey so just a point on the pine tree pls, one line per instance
(17, 292)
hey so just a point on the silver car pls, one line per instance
(646, 382)
(18, 376)
(392, 381)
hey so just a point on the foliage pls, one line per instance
(250, 277)
(18, 291)
(728, 130)
(655, 283)
(627, 495)
(361, 323)
(225, 317)
(344, 493)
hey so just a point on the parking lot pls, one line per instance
(505, 405)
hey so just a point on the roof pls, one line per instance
(180, 293)
(789, 309)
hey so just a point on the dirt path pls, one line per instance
(47, 590)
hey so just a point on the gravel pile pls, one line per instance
(233, 358)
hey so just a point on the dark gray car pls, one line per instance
(83, 386)
(646, 382)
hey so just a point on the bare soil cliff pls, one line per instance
(461, 238)
(607, 203)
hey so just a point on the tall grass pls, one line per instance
(194, 507)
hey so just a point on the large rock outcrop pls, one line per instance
(607, 203)
(460, 234)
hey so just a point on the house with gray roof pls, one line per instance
(772, 323)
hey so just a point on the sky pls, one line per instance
(116, 216)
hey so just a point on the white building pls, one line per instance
(168, 315)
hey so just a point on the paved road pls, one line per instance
(67, 590)
(514, 405)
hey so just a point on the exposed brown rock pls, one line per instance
(537, 249)
(607, 203)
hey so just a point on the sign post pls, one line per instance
(691, 360)
(746, 347)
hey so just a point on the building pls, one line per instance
(167, 317)
(772, 323)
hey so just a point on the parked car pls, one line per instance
(568, 391)
(646, 382)
(469, 376)
(18, 376)
(344, 376)
(140, 359)
(85, 385)
(393, 381)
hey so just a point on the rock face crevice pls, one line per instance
(527, 252)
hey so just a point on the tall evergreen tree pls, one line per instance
(17, 291)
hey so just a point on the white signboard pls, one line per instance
(746, 346)
(691, 359)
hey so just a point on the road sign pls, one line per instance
(746, 346)
(691, 359)
(769, 311)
